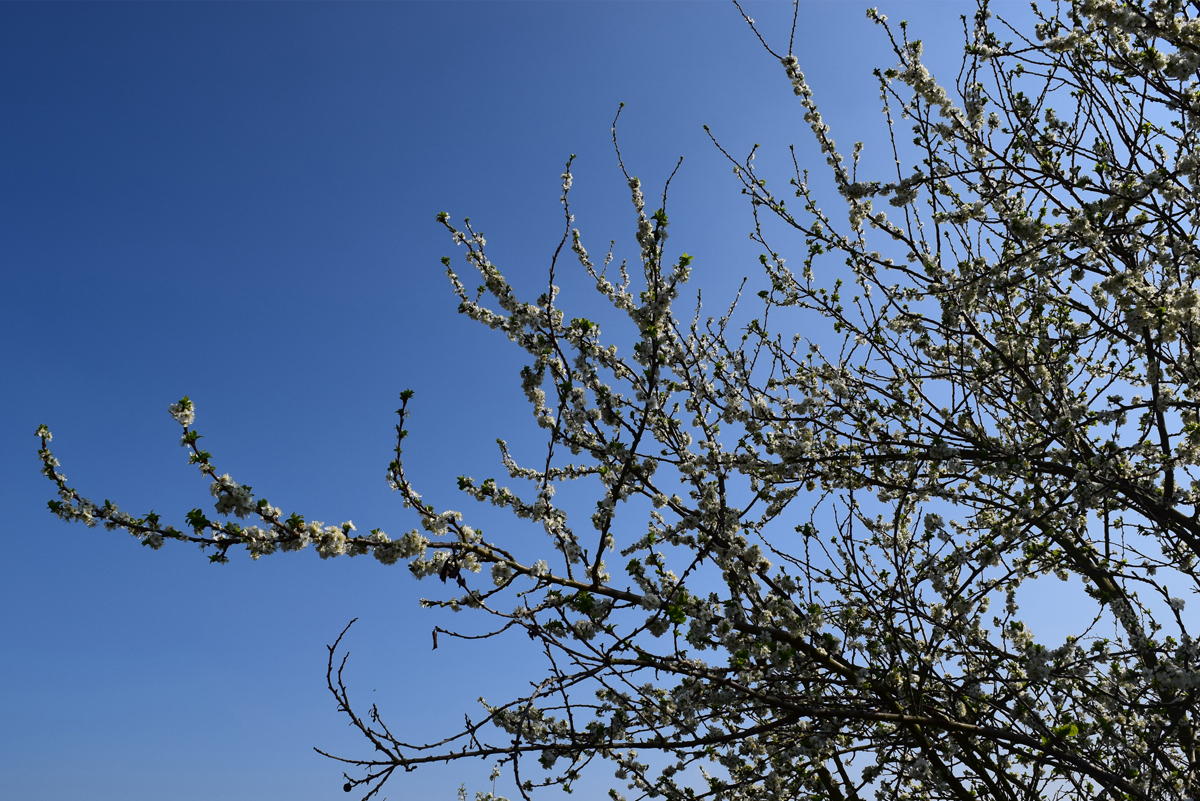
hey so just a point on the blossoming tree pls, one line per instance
(802, 575)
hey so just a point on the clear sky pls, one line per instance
(236, 202)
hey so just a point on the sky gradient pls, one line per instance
(236, 202)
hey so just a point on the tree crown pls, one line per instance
(820, 596)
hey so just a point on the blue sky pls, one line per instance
(236, 202)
